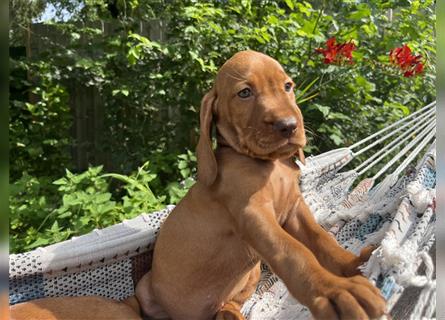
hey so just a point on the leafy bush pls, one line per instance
(186, 164)
(157, 113)
(75, 204)
(40, 121)
(31, 201)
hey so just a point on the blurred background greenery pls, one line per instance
(105, 94)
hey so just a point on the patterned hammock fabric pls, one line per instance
(398, 216)
(394, 220)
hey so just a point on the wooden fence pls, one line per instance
(86, 102)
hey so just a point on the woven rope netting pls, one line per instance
(387, 200)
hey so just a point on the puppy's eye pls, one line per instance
(245, 93)
(288, 86)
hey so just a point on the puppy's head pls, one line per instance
(253, 106)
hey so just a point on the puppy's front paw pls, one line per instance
(348, 298)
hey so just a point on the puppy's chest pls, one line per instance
(285, 192)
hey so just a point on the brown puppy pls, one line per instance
(247, 207)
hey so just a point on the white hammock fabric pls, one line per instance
(398, 214)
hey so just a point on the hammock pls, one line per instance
(395, 212)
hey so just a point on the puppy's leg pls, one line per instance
(231, 309)
(250, 286)
(303, 227)
(133, 303)
(322, 291)
(148, 304)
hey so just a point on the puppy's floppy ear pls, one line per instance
(207, 167)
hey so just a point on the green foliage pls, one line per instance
(21, 14)
(159, 110)
(75, 205)
(31, 201)
(139, 197)
(40, 121)
(186, 163)
(151, 89)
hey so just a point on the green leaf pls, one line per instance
(363, 12)
(325, 110)
(61, 181)
(308, 98)
(305, 8)
(290, 4)
(182, 164)
(272, 20)
(336, 139)
(338, 116)
(64, 215)
(104, 197)
(85, 63)
(38, 243)
(300, 96)
(185, 172)
(55, 227)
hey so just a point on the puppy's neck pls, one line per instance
(224, 143)
(221, 141)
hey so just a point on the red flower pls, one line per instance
(346, 50)
(408, 62)
(336, 53)
(419, 67)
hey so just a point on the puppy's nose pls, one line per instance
(285, 126)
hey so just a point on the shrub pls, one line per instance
(151, 90)
(75, 205)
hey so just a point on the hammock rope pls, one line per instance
(386, 150)
(420, 129)
(385, 137)
(430, 106)
(416, 151)
(397, 214)
(423, 138)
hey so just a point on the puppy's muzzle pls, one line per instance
(285, 127)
